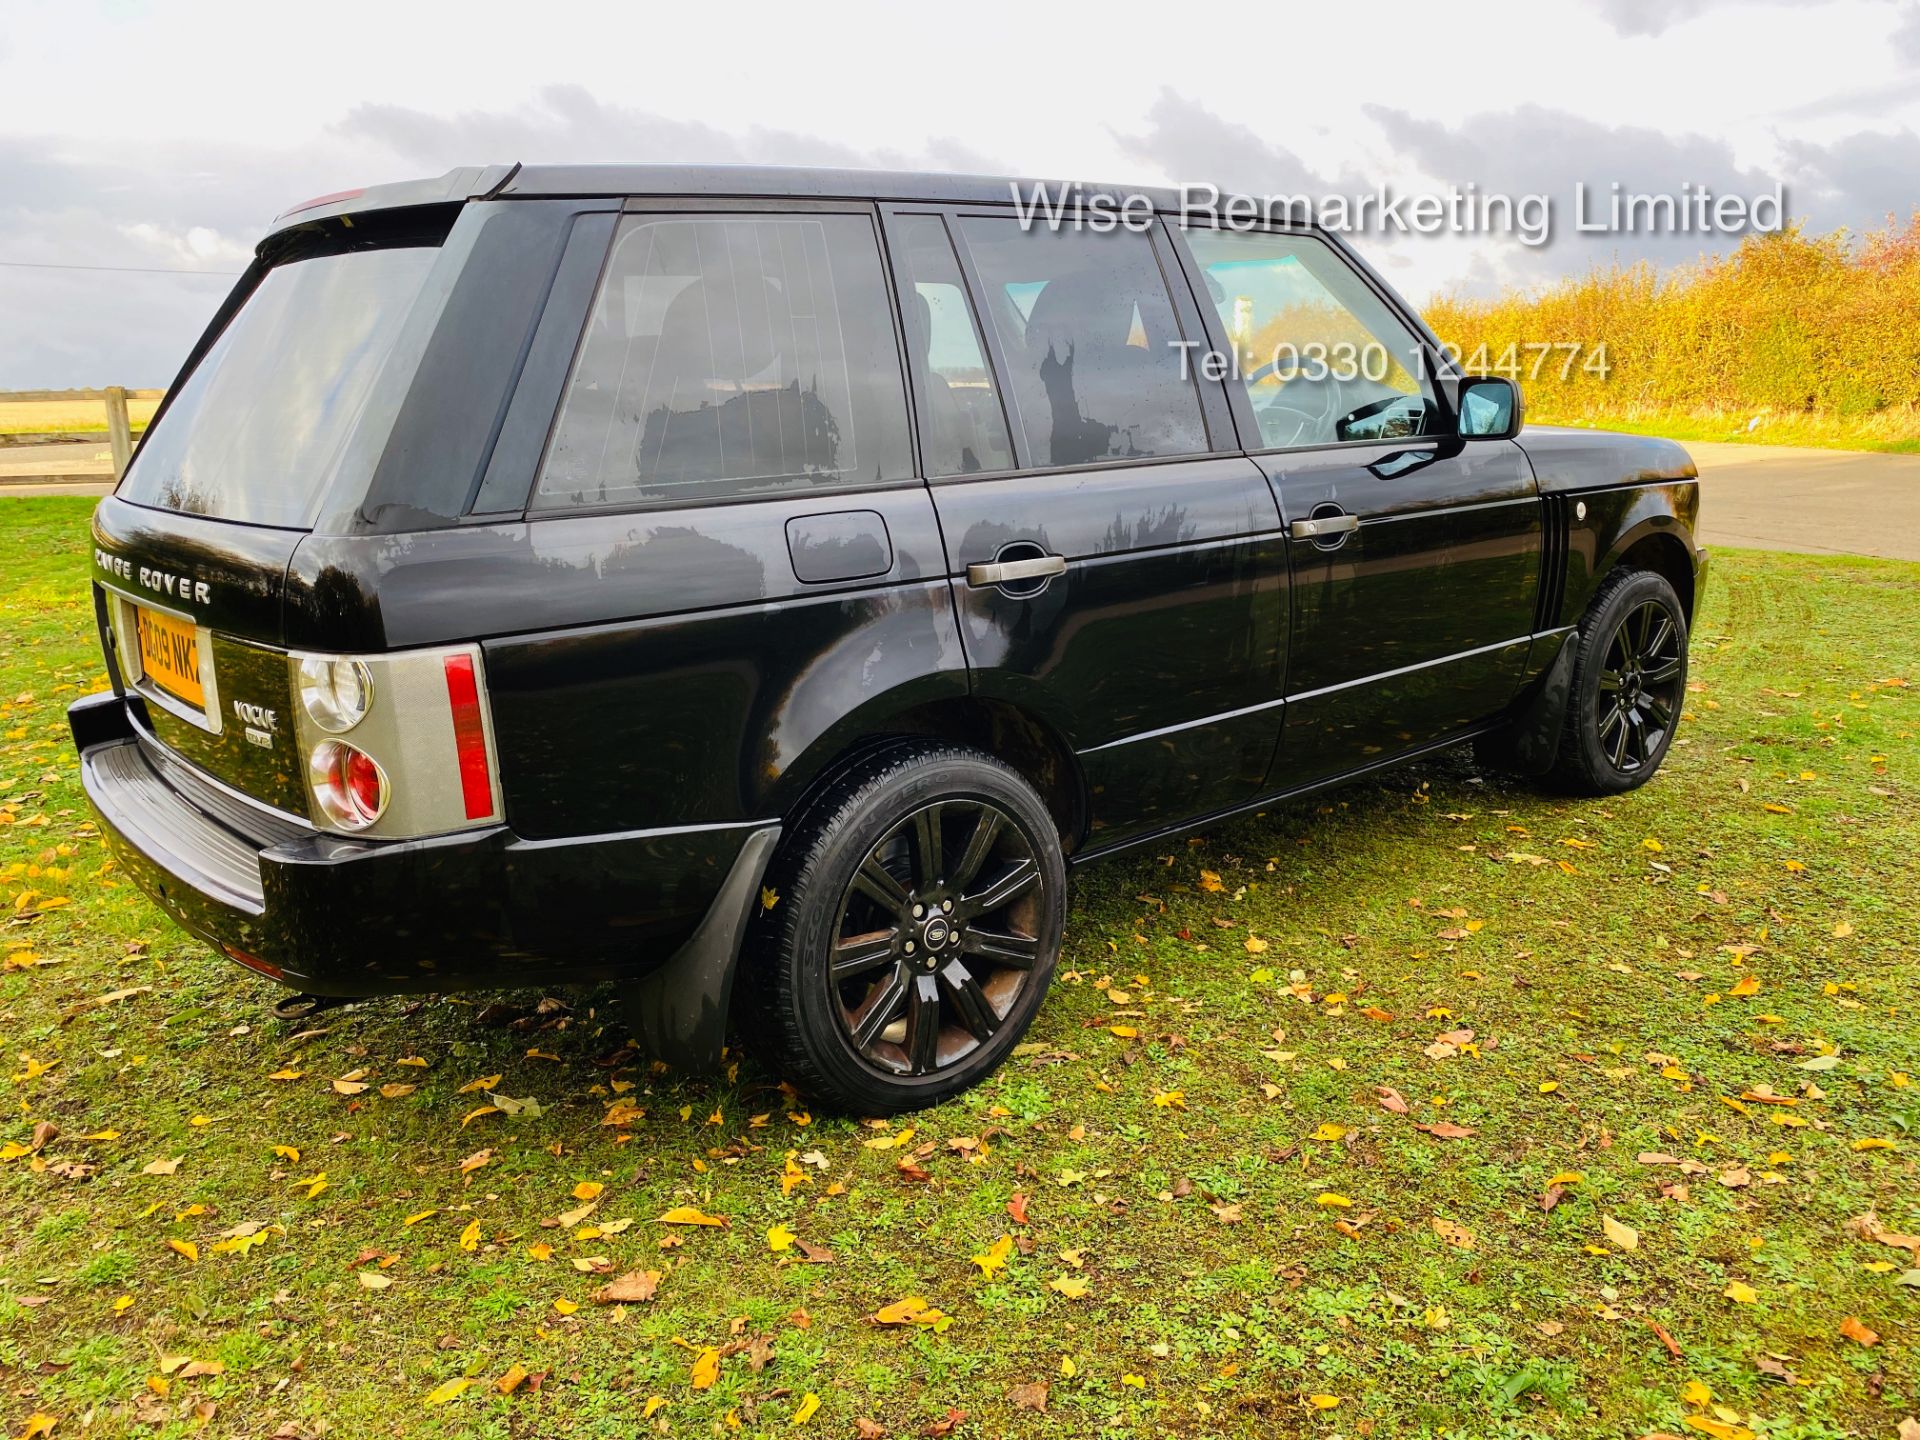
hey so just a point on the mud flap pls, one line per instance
(679, 1011)
(1532, 742)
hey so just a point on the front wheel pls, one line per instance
(1629, 684)
(917, 916)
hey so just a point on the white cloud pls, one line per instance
(191, 125)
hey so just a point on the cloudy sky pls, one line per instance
(145, 139)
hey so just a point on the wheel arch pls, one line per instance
(1011, 733)
(1659, 548)
(1648, 527)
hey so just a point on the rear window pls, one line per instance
(256, 431)
(729, 356)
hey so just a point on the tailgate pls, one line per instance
(189, 610)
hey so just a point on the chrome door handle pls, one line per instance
(1325, 526)
(1002, 572)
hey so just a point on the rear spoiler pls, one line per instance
(468, 182)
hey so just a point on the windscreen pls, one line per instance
(255, 432)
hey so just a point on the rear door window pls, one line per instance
(729, 356)
(1092, 347)
(257, 429)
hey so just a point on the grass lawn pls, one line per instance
(1236, 1184)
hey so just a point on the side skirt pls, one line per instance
(1334, 782)
(1530, 729)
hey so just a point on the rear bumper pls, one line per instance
(333, 916)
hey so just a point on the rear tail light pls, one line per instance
(336, 692)
(396, 746)
(348, 784)
(469, 737)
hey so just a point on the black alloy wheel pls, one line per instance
(937, 937)
(1629, 685)
(920, 901)
(1640, 683)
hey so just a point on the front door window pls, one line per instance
(1322, 359)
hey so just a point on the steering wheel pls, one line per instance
(1301, 412)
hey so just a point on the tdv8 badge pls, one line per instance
(258, 722)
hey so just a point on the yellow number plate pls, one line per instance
(170, 655)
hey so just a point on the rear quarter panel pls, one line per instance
(657, 668)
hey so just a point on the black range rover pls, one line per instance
(760, 586)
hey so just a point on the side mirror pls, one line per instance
(1490, 408)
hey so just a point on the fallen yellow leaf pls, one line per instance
(449, 1390)
(1718, 1429)
(994, 1260)
(912, 1311)
(688, 1215)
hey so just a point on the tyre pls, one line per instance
(1629, 681)
(920, 902)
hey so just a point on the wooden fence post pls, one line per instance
(119, 431)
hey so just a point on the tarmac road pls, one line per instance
(1766, 497)
(1822, 502)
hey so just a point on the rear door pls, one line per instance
(1113, 570)
(1415, 555)
(727, 560)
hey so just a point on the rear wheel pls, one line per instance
(921, 900)
(1629, 683)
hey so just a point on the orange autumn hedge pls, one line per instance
(1788, 325)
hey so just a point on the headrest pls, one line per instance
(1084, 308)
(724, 328)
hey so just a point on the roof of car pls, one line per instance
(807, 182)
(474, 182)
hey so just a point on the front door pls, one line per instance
(1114, 573)
(1415, 555)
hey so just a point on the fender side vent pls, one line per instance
(1553, 561)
